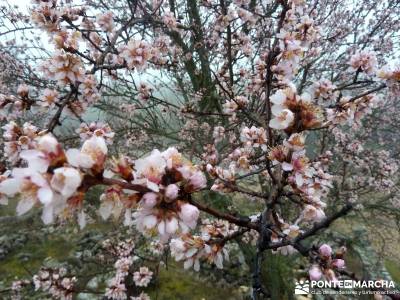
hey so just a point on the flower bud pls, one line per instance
(338, 263)
(189, 213)
(171, 192)
(315, 273)
(325, 250)
(149, 200)
(198, 181)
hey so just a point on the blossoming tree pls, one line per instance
(207, 102)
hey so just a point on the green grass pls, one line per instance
(179, 284)
(29, 258)
(394, 270)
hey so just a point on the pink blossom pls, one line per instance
(91, 155)
(338, 263)
(105, 21)
(172, 191)
(66, 181)
(282, 120)
(364, 60)
(142, 277)
(325, 250)
(315, 273)
(149, 200)
(197, 181)
(136, 54)
(189, 214)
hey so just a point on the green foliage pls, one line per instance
(394, 270)
(277, 274)
(216, 200)
(179, 284)
(30, 257)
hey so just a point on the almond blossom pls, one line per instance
(136, 54)
(142, 277)
(282, 119)
(105, 21)
(55, 282)
(49, 98)
(66, 181)
(47, 153)
(99, 129)
(150, 170)
(365, 61)
(255, 137)
(64, 68)
(192, 248)
(91, 156)
(18, 139)
(32, 187)
(116, 290)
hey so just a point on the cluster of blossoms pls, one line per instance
(54, 178)
(169, 177)
(290, 109)
(364, 61)
(234, 105)
(66, 40)
(124, 264)
(254, 137)
(123, 248)
(391, 76)
(298, 32)
(17, 287)
(326, 263)
(67, 69)
(142, 277)
(46, 16)
(55, 282)
(169, 20)
(352, 112)
(86, 131)
(379, 170)
(11, 107)
(87, 96)
(116, 287)
(17, 139)
(105, 21)
(325, 90)
(208, 246)
(64, 67)
(308, 180)
(136, 54)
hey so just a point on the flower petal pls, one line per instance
(10, 186)
(45, 195)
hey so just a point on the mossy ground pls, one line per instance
(179, 284)
(394, 270)
(29, 258)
